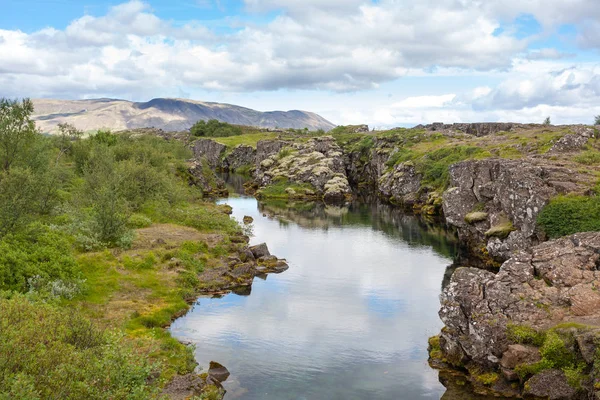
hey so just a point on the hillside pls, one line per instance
(166, 114)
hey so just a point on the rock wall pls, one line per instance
(212, 151)
(318, 162)
(553, 283)
(495, 202)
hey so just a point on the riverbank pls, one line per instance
(506, 188)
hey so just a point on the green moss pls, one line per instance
(523, 334)
(500, 230)
(476, 216)
(565, 215)
(487, 379)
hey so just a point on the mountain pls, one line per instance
(166, 114)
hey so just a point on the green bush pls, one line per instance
(52, 353)
(565, 215)
(36, 252)
(215, 128)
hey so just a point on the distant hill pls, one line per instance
(166, 114)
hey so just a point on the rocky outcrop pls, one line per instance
(212, 151)
(401, 185)
(317, 163)
(238, 271)
(203, 177)
(475, 129)
(241, 156)
(267, 148)
(575, 141)
(509, 194)
(554, 283)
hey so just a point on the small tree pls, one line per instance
(547, 121)
(597, 120)
(17, 130)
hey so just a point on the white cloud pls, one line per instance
(131, 52)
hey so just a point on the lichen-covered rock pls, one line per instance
(554, 283)
(401, 185)
(212, 151)
(267, 148)
(571, 142)
(508, 191)
(318, 163)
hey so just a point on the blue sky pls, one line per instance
(385, 62)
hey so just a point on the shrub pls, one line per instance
(52, 353)
(215, 128)
(597, 120)
(565, 215)
(139, 221)
(36, 252)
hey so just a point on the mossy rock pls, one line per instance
(501, 230)
(475, 216)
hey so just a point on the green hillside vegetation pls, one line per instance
(89, 231)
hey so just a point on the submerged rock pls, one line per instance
(218, 371)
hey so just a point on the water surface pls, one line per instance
(350, 318)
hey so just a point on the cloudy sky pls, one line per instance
(381, 62)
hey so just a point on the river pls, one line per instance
(350, 318)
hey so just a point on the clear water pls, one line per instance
(350, 318)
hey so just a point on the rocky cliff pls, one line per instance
(489, 181)
(538, 317)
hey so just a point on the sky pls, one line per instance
(380, 62)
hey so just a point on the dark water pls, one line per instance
(350, 318)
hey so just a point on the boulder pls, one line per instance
(260, 250)
(218, 372)
(550, 384)
(518, 354)
(248, 220)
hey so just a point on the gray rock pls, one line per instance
(260, 250)
(551, 384)
(552, 283)
(512, 191)
(242, 155)
(401, 184)
(211, 150)
(571, 142)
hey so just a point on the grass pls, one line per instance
(248, 139)
(589, 157)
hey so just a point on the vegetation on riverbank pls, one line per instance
(101, 243)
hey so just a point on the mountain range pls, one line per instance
(163, 113)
